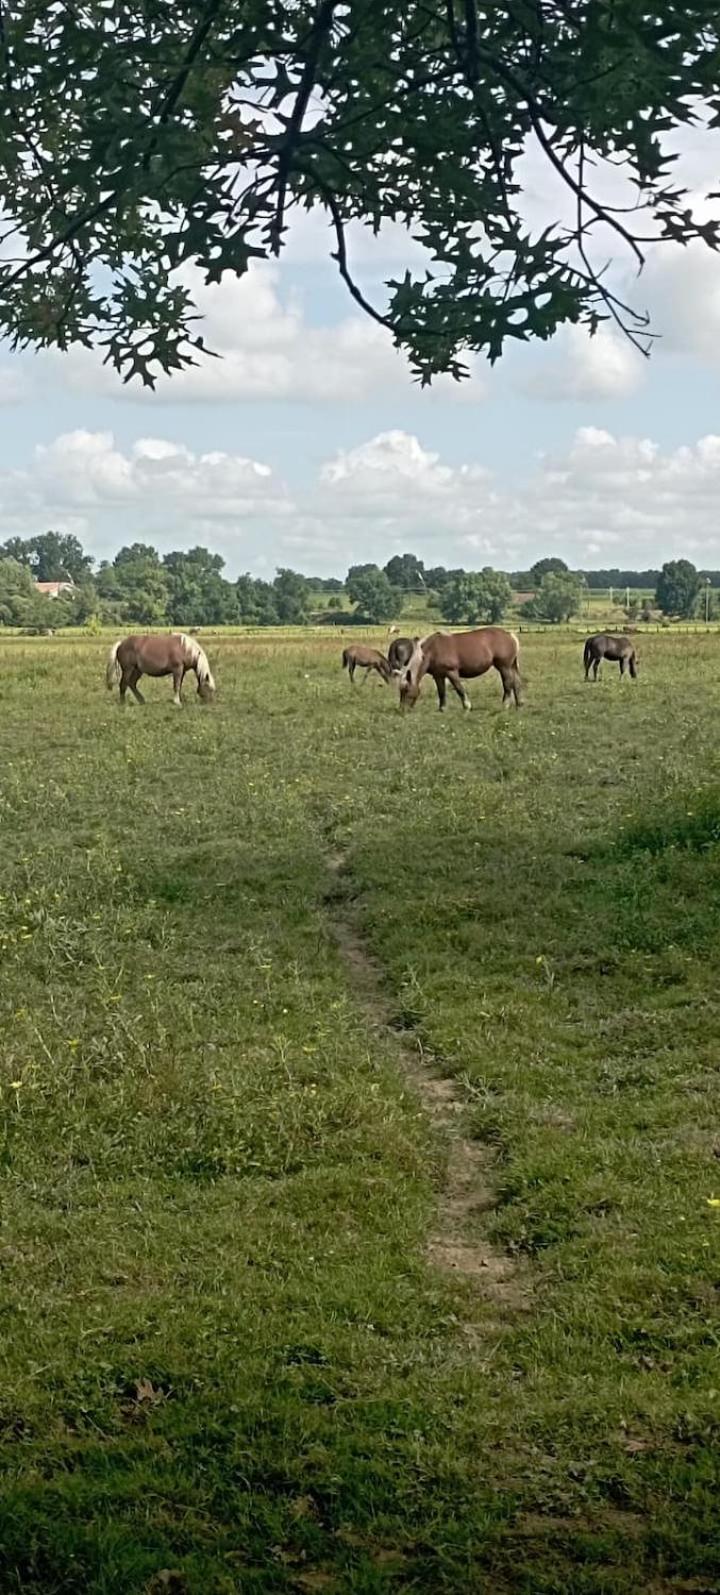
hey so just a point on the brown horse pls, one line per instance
(400, 653)
(360, 657)
(462, 656)
(602, 646)
(134, 657)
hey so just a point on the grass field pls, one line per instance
(359, 1129)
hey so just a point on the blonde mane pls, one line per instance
(416, 658)
(197, 660)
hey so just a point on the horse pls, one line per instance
(359, 657)
(133, 657)
(400, 654)
(462, 656)
(603, 646)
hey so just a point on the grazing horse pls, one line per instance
(603, 646)
(133, 657)
(462, 656)
(359, 657)
(399, 654)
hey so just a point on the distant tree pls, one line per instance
(374, 595)
(458, 598)
(16, 589)
(354, 572)
(678, 588)
(330, 584)
(20, 602)
(255, 600)
(51, 556)
(405, 571)
(476, 595)
(198, 594)
(613, 577)
(545, 567)
(497, 593)
(558, 597)
(135, 586)
(291, 597)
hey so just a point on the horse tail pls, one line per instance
(632, 662)
(587, 651)
(345, 659)
(112, 670)
(516, 640)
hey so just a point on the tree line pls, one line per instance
(139, 587)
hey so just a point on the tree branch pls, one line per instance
(342, 262)
(316, 39)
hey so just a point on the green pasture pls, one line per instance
(236, 944)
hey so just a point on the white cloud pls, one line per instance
(579, 368)
(84, 482)
(602, 499)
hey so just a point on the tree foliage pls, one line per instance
(375, 597)
(678, 588)
(558, 597)
(406, 571)
(138, 139)
(545, 567)
(51, 556)
(476, 595)
(292, 595)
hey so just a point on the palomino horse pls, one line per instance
(360, 657)
(602, 646)
(462, 656)
(134, 657)
(399, 654)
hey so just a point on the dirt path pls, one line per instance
(457, 1244)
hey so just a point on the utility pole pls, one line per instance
(707, 599)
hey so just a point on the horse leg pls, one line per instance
(351, 669)
(441, 685)
(596, 669)
(507, 677)
(517, 687)
(458, 687)
(133, 684)
(366, 676)
(177, 683)
(622, 667)
(124, 684)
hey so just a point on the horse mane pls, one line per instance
(197, 659)
(416, 658)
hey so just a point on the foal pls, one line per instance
(359, 657)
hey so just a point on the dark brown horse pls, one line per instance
(134, 657)
(460, 657)
(400, 653)
(359, 657)
(620, 650)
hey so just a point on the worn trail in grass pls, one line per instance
(236, 1354)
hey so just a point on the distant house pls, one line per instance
(54, 589)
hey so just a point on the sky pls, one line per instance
(309, 445)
